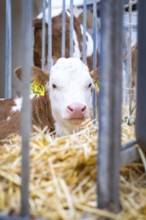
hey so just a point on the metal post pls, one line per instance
(94, 35)
(141, 76)
(49, 34)
(8, 59)
(71, 28)
(43, 34)
(94, 54)
(63, 27)
(26, 108)
(110, 105)
(84, 30)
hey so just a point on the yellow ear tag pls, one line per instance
(97, 86)
(37, 88)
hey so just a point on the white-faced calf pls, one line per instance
(65, 103)
(70, 92)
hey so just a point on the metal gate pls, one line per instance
(111, 154)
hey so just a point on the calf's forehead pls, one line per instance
(67, 69)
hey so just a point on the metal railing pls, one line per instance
(111, 156)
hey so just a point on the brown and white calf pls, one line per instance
(10, 109)
(66, 102)
(56, 39)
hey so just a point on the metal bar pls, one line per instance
(94, 55)
(8, 59)
(71, 28)
(84, 30)
(141, 76)
(130, 73)
(6, 217)
(128, 145)
(43, 34)
(94, 35)
(130, 3)
(50, 34)
(110, 105)
(63, 27)
(127, 76)
(129, 153)
(26, 107)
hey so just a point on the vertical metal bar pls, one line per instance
(110, 105)
(43, 34)
(71, 28)
(84, 30)
(26, 107)
(94, 54)
(8, 62)
(49, 34)
(94, 34)
(63, 27)
(141, 76)
(129, 57)
(127, 75)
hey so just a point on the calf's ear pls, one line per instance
(18, 73)
(37, 23)
(36, 74)
(40, 75)
(95, 75)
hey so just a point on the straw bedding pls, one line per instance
(63, 177)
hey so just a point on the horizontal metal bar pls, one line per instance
(129, 144)
(130, 4)
(7, 217)
(129, 153)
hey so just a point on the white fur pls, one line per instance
(89, 42)
(72, 78)
(54, 12)
(18, 105)
(8, 118)
(76, 49)
(77, 11)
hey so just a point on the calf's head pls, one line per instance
(70, 92)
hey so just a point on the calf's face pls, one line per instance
(70, 92)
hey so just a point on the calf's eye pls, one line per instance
(89, 86)
(54, 86)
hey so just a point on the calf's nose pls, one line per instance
(76, 110)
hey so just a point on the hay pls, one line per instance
(63, 177)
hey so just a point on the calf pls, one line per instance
(64, 105)
(10, 109)
(56, 39)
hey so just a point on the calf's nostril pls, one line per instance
(84, 108)
(70, 108)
